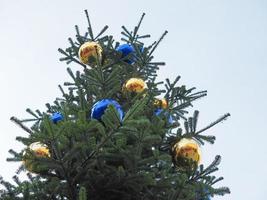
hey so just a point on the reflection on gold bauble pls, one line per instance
(39, 150)
(135, 85)
(162, 103)
(186, 152)
(90, 52)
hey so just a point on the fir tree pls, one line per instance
(118, 156)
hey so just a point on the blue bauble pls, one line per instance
(158, 111)
(99, 108)
(56, 117)
(126, 49)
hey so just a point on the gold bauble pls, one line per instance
(90, 52)
(39, 150)
(135, 85)
(186, 150)
(162, 103)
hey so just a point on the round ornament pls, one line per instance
(185, 151)
(39, 150)
(161, 103)
(90, 52)
(56, 117)
(125, 50)
(99, 108)
(135, 85)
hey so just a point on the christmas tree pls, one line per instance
(116, 133)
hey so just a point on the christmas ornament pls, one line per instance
(89, 52)
(162, 103)
(56, 117)
(125, 50)
(185, 151)
(166, 114)
(99, 108)
(135, 85)
(39, 150)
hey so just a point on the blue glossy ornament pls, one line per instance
(56, 117)
(99, 108)
(126, 49)
(158, 111)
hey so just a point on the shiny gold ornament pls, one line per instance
(135, 85)
(185, 152)
(162, 103)
(39, 150)
(90, 52)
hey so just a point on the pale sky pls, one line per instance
(218, 45)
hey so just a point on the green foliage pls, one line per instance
(113, 159)
(82, 194)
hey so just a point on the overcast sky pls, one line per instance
(218, 45)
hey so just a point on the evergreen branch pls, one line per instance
(111, 118)
(224, 117)
(89, 25)
(72, 44)
(222, 191)
(19, 123)
(71, 190)
(39, 113)
(29, 120)
(78, 35)
(102, 31)
(150, 46)
(128, 34)
(138, 26)
(99, 146)
(71, 74)
(195, 120)
(32, 113)
(170, 86)
(136, 108)
(207, 138)
(70, 58)
(216, 180)
(157, 43)
(144, 36)
(82, 194)
(205, 172)
(198, 93)
(62, 91)
(157, 63)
